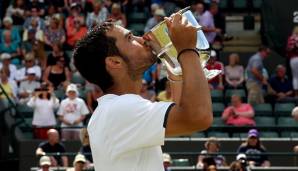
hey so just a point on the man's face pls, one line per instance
(281, 72)
(53, 137)
(138, 56)
(72, 94)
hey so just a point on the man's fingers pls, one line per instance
(177, 18)
(168, 22)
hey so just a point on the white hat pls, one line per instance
(213, 53)
(241, 156)
(5, 56)
(45, 160)
(72, 87)
(31, 71)
(7, 19)
(79, 158)
(160, 12)
(166, 158)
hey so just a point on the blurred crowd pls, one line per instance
(36, 70)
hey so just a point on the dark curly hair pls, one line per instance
(90, 54)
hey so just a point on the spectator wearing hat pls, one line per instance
(98, 16)
(57, 75)
(167, 161)
(44, 163)
(29, 63)
(17, 12)
(216, 82)
(212, 145)
(10, 47)
(158, 16)
(234, 73)
(254, 150)
(117, 15)
(6, 63)
(238, 114)
(14, 32)
(28, 86)
(72, 113)
(78, 163)
(53, 145)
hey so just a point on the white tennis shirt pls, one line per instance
(126, 133)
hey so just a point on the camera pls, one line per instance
(43, 91)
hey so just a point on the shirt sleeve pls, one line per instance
(84, 109)
(137, 123)
(61, 108)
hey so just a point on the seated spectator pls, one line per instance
(254, 149)
(92, 97)
(9, 86)
(236, 166)
(238, 114)
(79, 163)
(44, 163)
(146, 93)
(7, 46)
(292, 53)
(17, 12)
(76, 32)
(216, 82)
(165, 95)
(234, 73)
(295, 113)
(85, 148)
(14, 32)
(198, 10)
(158, 16)
(28, 86)
(57, 75)
(37, 4)
(117, 16)
(56, 53)
(72, 113)
(33, 28)
(34, 15)
(29, 63)
(282, 88)
(98, 16)
(6, 63)
(212, 145)
(167, 161)
(44, 103)
(209, 164)
(53, 145)
(54, 33)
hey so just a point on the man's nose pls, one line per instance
(140, 40)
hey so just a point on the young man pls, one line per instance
(126, 130)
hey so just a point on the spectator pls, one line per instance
(85, 148)
(78, 163)
(98, 16)
(292, 49)
(28, 86)
(236, 166)
(255, 79)
(216, 82)
(146, 93)
(254, 150)
(92, 97)
(158, 16)
(295, 114)
(56, 54)
(53, 145)
(7, 46)
(29, 63)
(76, 32)
(207, 21)
(165, 95)
(44, 103)
(209, 164)
(44, 163)
(14, 32)
(54, 33)
(282, 89)
(198, 10)
(17, 12)
(212, 145)
(57, 75)
(36, 4)
(34, 15)
(72, 113)
(6, 58)
(153, 8)
(234, 73)
(167, 161)
(9, 86)
(150, 75)
(238, 114)
(33, 28)
(117, 16)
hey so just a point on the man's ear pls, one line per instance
(114, 62)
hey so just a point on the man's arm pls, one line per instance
(193, 112)
(39, 152)
(65, 161)
(257, 74)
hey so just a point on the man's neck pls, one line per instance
(130, 87)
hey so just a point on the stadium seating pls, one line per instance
(283, 109)
(217, 95)
(264, 109)
(218, 108)
(265, 121)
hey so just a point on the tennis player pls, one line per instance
(126, 131)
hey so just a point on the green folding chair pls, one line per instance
(264, 109)
(283, 109)
(217, 95)
(265, 121)
(218, 108)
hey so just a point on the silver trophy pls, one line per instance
(163, 48)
